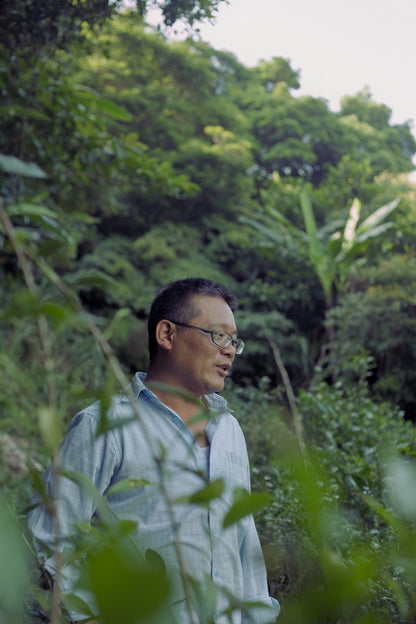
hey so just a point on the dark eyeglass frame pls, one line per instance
(237, 343)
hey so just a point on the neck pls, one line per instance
(179, 399)
(190, 408)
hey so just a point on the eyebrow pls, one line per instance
(226, 329)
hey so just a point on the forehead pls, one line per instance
(214, 311)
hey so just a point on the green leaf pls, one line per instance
(245, 504)
(126, 484)
(374, 231)
(119, 316)
(309, 218)
(334, 244)
(90, 277)
(101, 504)
(377, 216)
(11, 164)
(50, 426)
(74, 603)
(163, 387)
(320, 258)
(112, 110)
(14, 568)
(203, 497)
(155, 560)
(400, 481)
(102, 105)
(15, 110)
(56, 311)
(126, 590)
(23, 303)
(274, 235)
(30, 210)
(289, 226)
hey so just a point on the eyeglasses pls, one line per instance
(220, 338)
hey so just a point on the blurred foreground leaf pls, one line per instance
(14, 569)
(245, 504)
(205, 495)
(126, 589)
(11, 164)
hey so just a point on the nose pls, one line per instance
(229, 351)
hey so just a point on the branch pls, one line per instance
(296, 419)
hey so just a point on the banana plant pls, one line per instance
(332, 256)
(334, 247)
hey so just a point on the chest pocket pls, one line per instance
(235, 472)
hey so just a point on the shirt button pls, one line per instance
(217, 574)
(215, 531)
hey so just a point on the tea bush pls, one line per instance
(333, 532)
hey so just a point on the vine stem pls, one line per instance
(296, 419)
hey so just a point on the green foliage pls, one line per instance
(15, 568)
(275, 71)
(188, 12)
(378, 315)
(331, 252)
(391, 145)
(135, 161)
(333, 257)
(339, 516)
(244, 504)
(141, 589)
(294, 136)
(25, 26)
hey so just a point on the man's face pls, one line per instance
(201, 367)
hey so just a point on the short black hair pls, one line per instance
(174, 302)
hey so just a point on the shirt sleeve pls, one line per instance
(255, 578)
(94, 457)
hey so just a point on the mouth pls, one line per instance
(223, 369)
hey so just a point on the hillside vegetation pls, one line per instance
(129, 160)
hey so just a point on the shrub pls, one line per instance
(336, 527)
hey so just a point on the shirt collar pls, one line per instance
(215, 402)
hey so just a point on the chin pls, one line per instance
(218, 387)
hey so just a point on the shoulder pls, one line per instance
(120, 406)
(219, 406)
(224, 419)
(216, 402)
(96, 419)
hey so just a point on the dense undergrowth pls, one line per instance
(337, 532)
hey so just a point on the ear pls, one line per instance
(165, 331)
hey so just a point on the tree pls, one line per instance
(295, 137)
(27, 25)
(387, 147)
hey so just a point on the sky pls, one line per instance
(339, 46)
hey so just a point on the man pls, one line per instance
(185, 427)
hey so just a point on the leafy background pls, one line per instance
(129, 160)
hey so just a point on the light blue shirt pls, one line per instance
(231, 557)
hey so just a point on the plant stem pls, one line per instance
(296, 419)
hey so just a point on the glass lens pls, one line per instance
(239, 346)
(222, 339)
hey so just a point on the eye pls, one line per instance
(221, 338)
